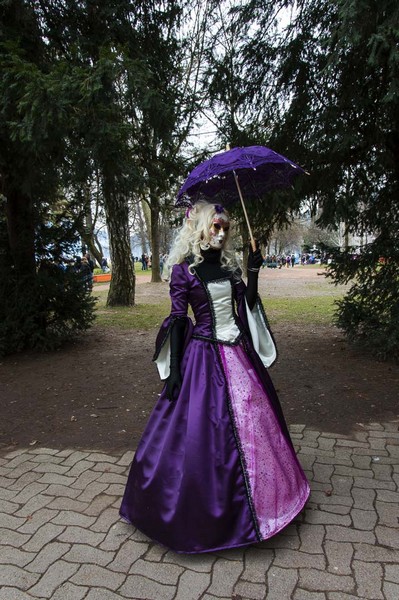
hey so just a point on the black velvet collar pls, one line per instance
(212, 255)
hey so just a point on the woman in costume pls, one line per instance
(215, 467)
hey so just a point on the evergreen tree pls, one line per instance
(104, 88)
(89, 37)
(243, 113)
(41, 304)
(335, 69)
(158, 115)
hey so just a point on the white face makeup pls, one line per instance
(218, 231)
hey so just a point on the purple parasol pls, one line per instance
(252, 170)
(259, 170)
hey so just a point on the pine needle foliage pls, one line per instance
(329, 79)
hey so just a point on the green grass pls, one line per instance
(138, 271)
(318, 310)
(140, 316)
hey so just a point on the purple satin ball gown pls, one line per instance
(215, 469)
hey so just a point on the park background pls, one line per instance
(104, 109)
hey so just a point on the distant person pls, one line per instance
(90, 261)
(292, 260)
(143, 262)
(104, 265)
(78, 264)
(86, 274)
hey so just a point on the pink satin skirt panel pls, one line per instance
(277, 483)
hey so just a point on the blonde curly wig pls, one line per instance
(194, 236)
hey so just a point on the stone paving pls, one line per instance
(61, 538)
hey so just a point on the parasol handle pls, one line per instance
(253, 243)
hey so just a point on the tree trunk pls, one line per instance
(21, 233)
(98, 247)
(123, 280)
(156, 275)
(142, 235)
(165, 235)
(89, 241)
(87, 232)
(147, 219)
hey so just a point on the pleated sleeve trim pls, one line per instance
(179, 300)
(257, 325)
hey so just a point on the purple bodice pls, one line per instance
(206, 301)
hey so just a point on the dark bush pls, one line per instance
(44, 311)
(369, 313)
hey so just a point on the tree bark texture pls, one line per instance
(21, 232)
(147, 220)
(87, 231)
(123, 281)
(155, 275)
(143, 228)
(89, 241)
